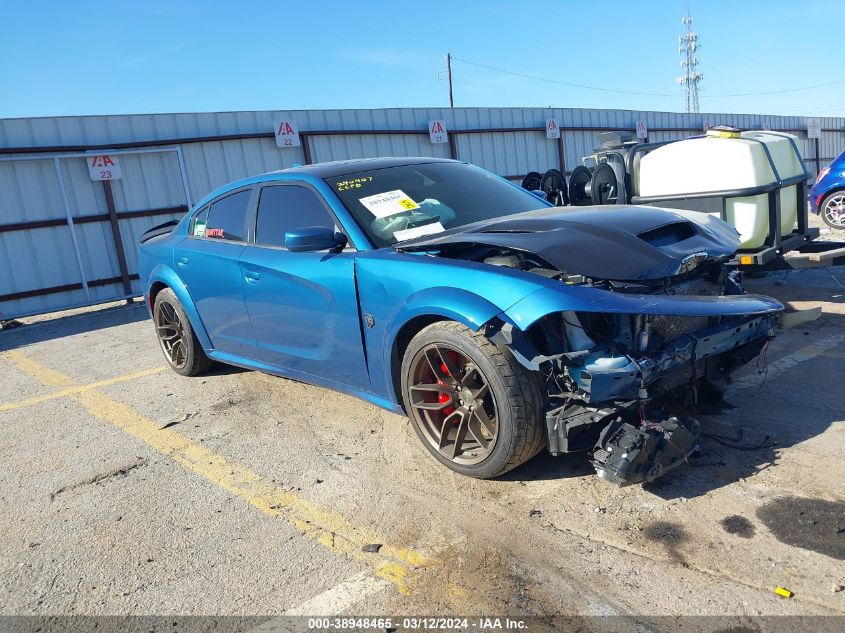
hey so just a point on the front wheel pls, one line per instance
(832, 210)
(176, 337)
(473, 405)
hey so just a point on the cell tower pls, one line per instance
(687, 46)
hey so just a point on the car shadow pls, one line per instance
(220, 369)
(63, 325)
(545, 467)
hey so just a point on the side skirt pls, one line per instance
(247, 363)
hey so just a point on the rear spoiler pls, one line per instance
(160, 229)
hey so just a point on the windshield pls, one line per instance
(400, 203)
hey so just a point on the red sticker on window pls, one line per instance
(214, 232)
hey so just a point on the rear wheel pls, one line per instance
(176, 337)
(832, 210)
(475, 408)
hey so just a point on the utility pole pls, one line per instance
(687, 46)
(449, 78)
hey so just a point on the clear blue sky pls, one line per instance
(118, 56)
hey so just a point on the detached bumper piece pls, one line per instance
(626, 454)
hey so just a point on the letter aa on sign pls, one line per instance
(286, 133)
(104, 167)
(437, 131)
(642, 129)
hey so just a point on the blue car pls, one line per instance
(498, 324)
(827, 196)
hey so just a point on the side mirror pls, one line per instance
(313, 238)
(540, 194)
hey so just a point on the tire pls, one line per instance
(173, 329)
(516, 399)
(834, 199)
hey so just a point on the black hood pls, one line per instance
(621, 243)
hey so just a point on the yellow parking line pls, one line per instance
(829, 354)
(68, 391)
(785, 363)
(820, 350)
(323, 525)
(37, 370)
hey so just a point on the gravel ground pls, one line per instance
(238, 493)
(827, 233)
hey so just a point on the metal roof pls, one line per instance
(335, 168)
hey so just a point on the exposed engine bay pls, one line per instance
(626, 386)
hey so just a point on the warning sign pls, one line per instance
(552, 128)
(104, 167)
(437, 132)
(287, 135)
(388, 203)
(642, 129)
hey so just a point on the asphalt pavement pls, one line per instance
(129, 489)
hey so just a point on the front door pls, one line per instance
(303, 306)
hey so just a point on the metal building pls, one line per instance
(67, 240)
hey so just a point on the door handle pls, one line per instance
(252, 276)
(182, 261)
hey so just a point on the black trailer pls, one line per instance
(611, 181)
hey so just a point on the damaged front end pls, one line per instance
(626, 384)
(648, 393)
(635, 322)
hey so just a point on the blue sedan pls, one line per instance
(498, 324)
(827, 196)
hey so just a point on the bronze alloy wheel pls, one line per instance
(171, 334)
(452, 402)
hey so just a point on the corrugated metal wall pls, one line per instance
(39, 270)
(31, 259)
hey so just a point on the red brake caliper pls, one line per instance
(443, 398)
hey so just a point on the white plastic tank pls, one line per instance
(728, 161)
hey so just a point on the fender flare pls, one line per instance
(452, 304)
(167, 276)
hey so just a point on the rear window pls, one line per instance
(227, 217)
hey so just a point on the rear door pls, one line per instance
(208, 261)
(303, 306)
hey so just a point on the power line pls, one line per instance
(645, 94)
(562, 83)
(830, 108)
(779, 92)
